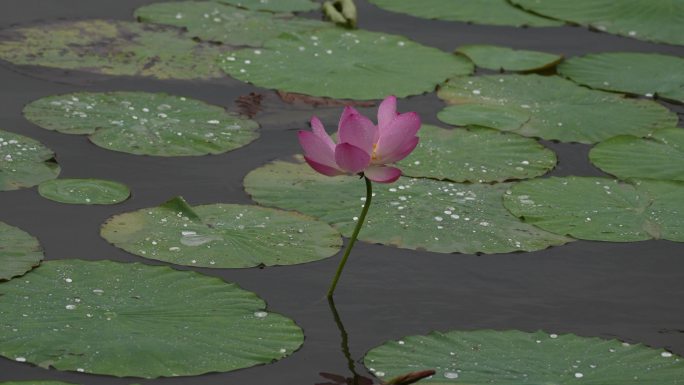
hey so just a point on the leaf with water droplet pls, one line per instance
(24, 162)
(84, 191)
(658, 21)
(147, 321)
(476, 155)
(221, 235)
(512, 357)
(275, 5)
(19, 252)
(549, 107)
(630, 72)
(494, 12)
(144, 123)
(601, 209)
(343, 64)
(411, 213)
(498, 58)
(214, 22)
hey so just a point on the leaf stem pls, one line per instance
(355, 234)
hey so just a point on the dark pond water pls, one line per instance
(630, 291)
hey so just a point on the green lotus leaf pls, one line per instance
(601, 209)
(111, 48)
(494, 12)
(660, 21)
(476, 155)
(135, 320)
(631, 72)
(549, 107)
(19, 252)
(84, 191)
(345, 65)
(508, 59)
(215, 22)
(35, 383)
(660, 156)
(24, 162)
(514, 357)
(274, 5)
(222, 235)
(412, 213)
(144, 123)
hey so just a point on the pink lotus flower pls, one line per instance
(363, 147)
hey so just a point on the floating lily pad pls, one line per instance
(661, 21)
(508, 59)
(19, 252)
(494, 12)
(144, 123)
(549, 107)
(476, 155)
(84, 191)
(412, 213)
(345, 65)
(222, 23)
(111, 48)
(660, 156)
(24, 162)
(275, 5)
(35, 383)
(222, 235)
(135, 320)
(514, 357)
(601, 209)
(631, 72)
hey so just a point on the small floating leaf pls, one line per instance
(30, 382)
(508, 59)
(660, 156)
(274, 5)
(601, 209)
(144, 123)
(222, 23)
(19, 252)
(412, 213)
(631, 72)
(222, 235)
(549, 107)
(24, 162)
(476, 155)
(111, 48)
(345, 65)
(84, 191)
(511, 357)
(494, 12)
(134, 320)
(660, 21)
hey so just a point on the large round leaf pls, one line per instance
(660, 156)
(549, 107)
(24, 162)
(511, 357)
(144, 123)
(19, 252)
(601, 209)
(476, 155)
(661, 21)
(221, 235)
(275, 5)
(137, 320)
(635, 73)
(508, 59)
(345, 65)
(222, 23)
(111, 48)
(84, 191)
(495, 12)
(413, 213)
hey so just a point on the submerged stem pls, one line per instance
(355, 234)
(345, 341)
